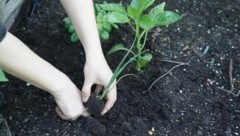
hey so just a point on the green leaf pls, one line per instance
(116, 17)
(141, 5)
(145, 59)
(97, 8)
(2, 77)
(132, 12)
(113, 7)
(156, 10)
(146, 22)
(67, 22)
(117, 47)
(166, 18)
(100, 16)
(100, 27)
(107, 27)
(114, 25)
(104, 35)
(74, 38)
(71, 29)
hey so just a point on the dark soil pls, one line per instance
(186, 102)
(94, 105)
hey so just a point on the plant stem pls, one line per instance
(139, 49)
(145, 39)
(119, 69)
(132, 26)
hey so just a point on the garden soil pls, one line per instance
(191, 100)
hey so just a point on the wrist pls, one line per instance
(94, 54)
(61, 84)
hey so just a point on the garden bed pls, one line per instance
(187, 101)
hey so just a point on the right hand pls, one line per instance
(97, 71)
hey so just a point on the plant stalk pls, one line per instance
(119, 69)
(139, 49)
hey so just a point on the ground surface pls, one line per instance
(185, 102)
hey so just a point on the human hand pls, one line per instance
(97, 72)
(69, 102)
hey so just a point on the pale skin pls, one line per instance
(17, 59)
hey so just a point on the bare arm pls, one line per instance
(20, 61)
(17, 59)
(82, 15)
(96, 69)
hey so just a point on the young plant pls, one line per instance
(141, 23)
(110, 14)
(2, 77)
(105, 14)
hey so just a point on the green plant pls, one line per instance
(106, 21)
(2, 77)
(141, 23)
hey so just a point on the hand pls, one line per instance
(69, 102)
(97, 72)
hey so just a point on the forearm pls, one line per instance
(82, 15)
(18, 60)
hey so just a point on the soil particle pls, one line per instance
(94, 105)
(95, 126)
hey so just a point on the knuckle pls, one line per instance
(85, 94)
(86, 90)
(72, 116)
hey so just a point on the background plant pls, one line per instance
(2, 77)
(106, 21)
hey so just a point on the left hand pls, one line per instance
(97, 71)
(69, 102)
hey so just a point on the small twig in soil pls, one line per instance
(126, 76)
(172, 61)
(230, 74)
(229, 91)
(179, 64)
(231, 80)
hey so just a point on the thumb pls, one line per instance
(86, 90)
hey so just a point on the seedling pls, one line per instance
(141, 23)
(108, 15)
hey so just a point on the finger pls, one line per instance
(98, 88)
(111, 99)
(86, 91)
(64, 117)
(109, 104)
(85, 113)
(60, 113)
